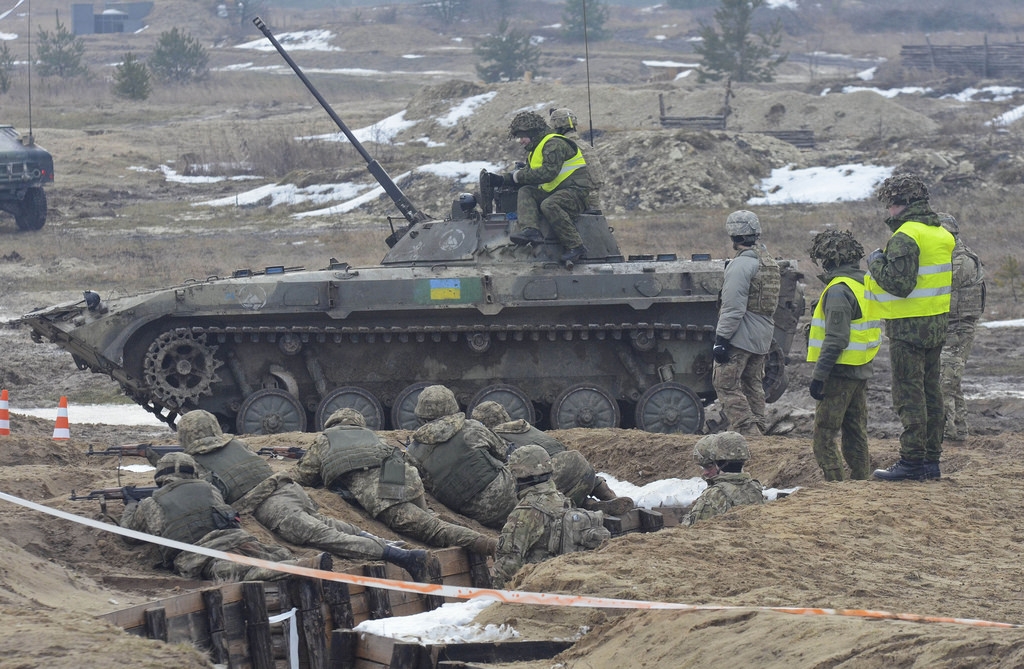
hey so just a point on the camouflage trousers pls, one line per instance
(560, 209)
(292, 514)
(194, 565)
(917, 399)
(492, 506)
(573, 475)
(739, 385)
(844, 410)
(959, 342)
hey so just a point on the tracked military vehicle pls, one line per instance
(612, 341)
(25, 168)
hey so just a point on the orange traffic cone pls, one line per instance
(5, 414)
(62, 430)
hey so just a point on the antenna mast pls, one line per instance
(586, 58)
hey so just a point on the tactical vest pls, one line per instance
(763, 297)
(967, 299)
(192, 509)
(457, 472)
(865, 332)
(744, 492)
(236, 470)
(351, 448)
(568, 167)
(532, 436)
(931, 294)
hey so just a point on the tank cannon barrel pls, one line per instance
(409, 211)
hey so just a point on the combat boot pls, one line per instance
(527, 237)
(414, 561)
(321, 561)
(932, 471)
(903, 470)
(482, 545)
(574, 254)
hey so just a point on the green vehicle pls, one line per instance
(25, 168)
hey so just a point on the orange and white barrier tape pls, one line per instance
(506, 596)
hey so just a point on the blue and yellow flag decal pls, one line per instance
(448, 290)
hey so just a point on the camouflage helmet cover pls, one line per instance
(948, 221)
(831, 248)
(174, 466)
(721, 447)
(529, 460)
(527, 123)
(742, 223)
(563, 119)
(346, 416)
(490, 413)
(435, 402)
(901, 189)
(199, 432)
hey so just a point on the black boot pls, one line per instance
(414, 561)
(570, 257)
(932, 471)
(903, 470)
(527, 236)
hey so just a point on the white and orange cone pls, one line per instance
(5, 414)
(62, 430)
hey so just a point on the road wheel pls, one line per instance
(33, 210)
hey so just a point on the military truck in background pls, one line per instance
(25, 168)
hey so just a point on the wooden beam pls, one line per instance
(257, 625)
(378, 600)
(343, 649)
(156, 624)
(213, 599)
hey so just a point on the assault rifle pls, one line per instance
(137, 450)
(288, 452)
(126, 494)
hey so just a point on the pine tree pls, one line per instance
(574, 27)
(60, 53)
(733, 52)
(507, 56)
(178, 58)
(131, 79)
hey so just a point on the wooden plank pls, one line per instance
(338, 604)
(257, 625)
(213, 599)
(650, 521)
(305, 594)
(503, 651)
(378, 600)
(189, 602)
(434, 576)
(406, 656)
(479, 574)
(343, 649)
(375, 647)
(156, 624)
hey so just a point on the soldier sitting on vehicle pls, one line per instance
(721, 458)
(192, 511)
(351, 459)
(572, 474)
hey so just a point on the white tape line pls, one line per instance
(290, 619)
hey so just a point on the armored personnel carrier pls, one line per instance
(25, 168)
(611, 341)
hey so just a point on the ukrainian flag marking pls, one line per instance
(445, 289)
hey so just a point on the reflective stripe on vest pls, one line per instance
(568, 167)
(865, 332)
(930, 296)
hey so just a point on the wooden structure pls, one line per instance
(991, 61)
(802, 139)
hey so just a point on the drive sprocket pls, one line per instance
(180, 367)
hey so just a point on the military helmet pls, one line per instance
(529, 460)
(833, 248)
(490, 413)
(721, 447)
(742, 223)
(901, 189)
(198, 429)
(949, 222)
(346, 416)
(527, 123)
(563, 119)
(435, 402)
(174, 466)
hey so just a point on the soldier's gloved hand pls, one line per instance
(130, 494)
(720, 352)
(875, 255)
(817, 389)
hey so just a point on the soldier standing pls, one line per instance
(910, 283)
(192, 511)
(461, 462)
(249, 484)
(844, 339)
(572, 474)
(743, 337)
(350, 459)
(721, 458)
(527, 535)
(966, 305)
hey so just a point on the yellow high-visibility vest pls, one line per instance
(568, 167)
(930, 296)
(865, 332)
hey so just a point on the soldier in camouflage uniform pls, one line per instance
(563, 121)
(249, 484)
(572, 474)
(553, 187)
(526, 536)
(721, 458)
(192, 511)
(966, 305)
(461, 462)
(743, 337)
(910, 283)
(350, 459)
(844, 339)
